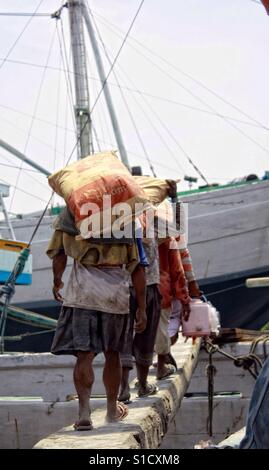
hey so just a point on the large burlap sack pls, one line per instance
(155, 188)
(89, 179)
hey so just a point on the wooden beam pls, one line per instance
(258, 282)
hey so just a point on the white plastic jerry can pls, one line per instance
(203, 320)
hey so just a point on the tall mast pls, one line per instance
(82, 106)
(101, 72)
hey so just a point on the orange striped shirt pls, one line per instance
(187, 264)
(172, 278)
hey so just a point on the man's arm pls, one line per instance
(139, 283)
(58, 266)
(178, 281)
(189, 273)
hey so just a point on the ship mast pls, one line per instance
(82, 106)
(78, 11)
(108, 98)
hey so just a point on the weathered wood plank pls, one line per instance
(258, 282)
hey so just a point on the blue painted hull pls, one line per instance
(24, 279)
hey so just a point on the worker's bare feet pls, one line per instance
(83, 425)
(119, 414)
(147, 390)
(164, 371)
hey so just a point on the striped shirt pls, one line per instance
(187, 264)
(172, 277)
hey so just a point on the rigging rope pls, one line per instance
(198, 171)
(118, 53)
(246, 361)
(23, 191)
(124, 99)
(150, 95)
(26, 14)
(17, 167)
(209, 106)
(112, 26)
(63, 51)
(204, 102)
(20, 35)
(101, 117)
(161, 98)
(194, 108)
(167, 130)
(137, 155)
(65, 123)
(155, 128)
(57, 120)
(96, 137)
(225, 290)
(27, 334)
(33, 118)
(37, 118)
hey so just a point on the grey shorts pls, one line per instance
(89, 331)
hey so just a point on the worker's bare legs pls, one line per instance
(161, 365)
(163, 344)
(112, 380)
(83, 380)
(142, 375)
(144, 387)
(125, 394)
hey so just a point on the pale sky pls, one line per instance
(222, 43)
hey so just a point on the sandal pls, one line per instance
(168, 360)
(150, 389)
(126, 401)
(125, 398)
(170, 370)
(83, 425)
(123, 412)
